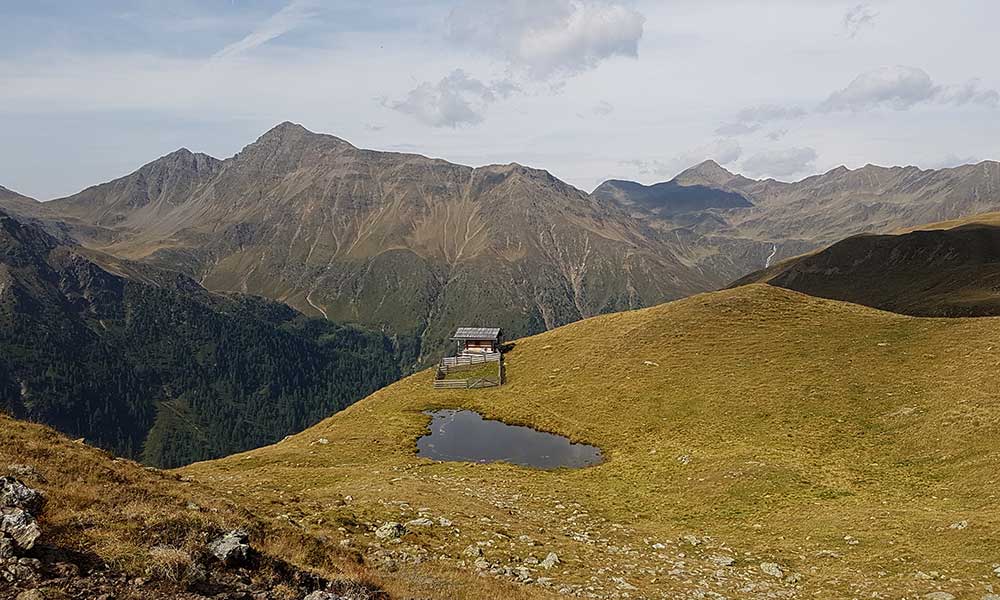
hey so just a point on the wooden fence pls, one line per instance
(469, 360)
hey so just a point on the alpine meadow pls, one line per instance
(507, 300)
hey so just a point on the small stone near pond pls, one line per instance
(233, 548)
(772, 569)
(939, 596)
(421, 522)
(443, 522)
(551, 560)
(473, 551)
(390, 531)
(959, 525)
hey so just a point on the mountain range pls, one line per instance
(166, 280)
(403, 243)
(729, 239)
(773, 439)
(414, 246)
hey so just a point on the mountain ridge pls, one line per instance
(414, 246)
(931, 271)
(400, 242)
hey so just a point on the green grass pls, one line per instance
(800, 421)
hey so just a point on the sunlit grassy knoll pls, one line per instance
(836, 440)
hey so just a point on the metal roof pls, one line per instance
(477, 333)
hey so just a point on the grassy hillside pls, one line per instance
(946, 270)
(853, 448)
(116, 521)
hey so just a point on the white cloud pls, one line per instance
(897, 87)
(751, 119)
(903, 87)
(857, 18)
(549, 38)
(781, 163)
(970, 93)
(294, 14)
(456, 100)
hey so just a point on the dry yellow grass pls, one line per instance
(836, 440)
(146, 522)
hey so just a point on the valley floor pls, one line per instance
(760, 444)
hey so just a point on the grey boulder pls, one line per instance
(20, 527)
(14, 494)
(233, 548)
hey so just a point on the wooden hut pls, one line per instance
(477, 340)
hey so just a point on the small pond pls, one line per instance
(464, 435)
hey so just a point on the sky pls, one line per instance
(586, 89)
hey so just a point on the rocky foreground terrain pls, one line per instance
(77, 523)
(227, 567)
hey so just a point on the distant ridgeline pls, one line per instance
(146, 363)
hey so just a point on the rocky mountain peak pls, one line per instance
(293, 134)
(708, 172)
(284, 130)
